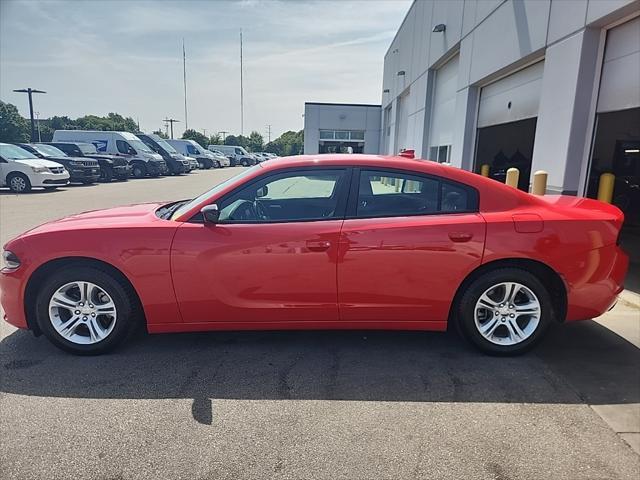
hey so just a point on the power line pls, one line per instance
(171, 121)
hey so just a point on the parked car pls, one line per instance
(20, 170)
(176, 163)
(111, 166)
(238, 155)
(265, 155)
(143, 161)
(330, 242)
(81, 170)
(205, 158)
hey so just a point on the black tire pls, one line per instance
(245, 162)
(106, 174)
(138, 170)
(216, 164)
(466, 310)
(127, 311)
(18, 182)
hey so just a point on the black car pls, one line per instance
(111, 166)
(81, 170)
(176, 163)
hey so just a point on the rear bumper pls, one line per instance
(595, 289)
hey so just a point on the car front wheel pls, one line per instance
(505, 311)
(85, 310)
(18, 183)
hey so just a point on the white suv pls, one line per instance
(20, 170)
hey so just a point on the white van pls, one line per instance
(239, 156)
(204, 157)
(124, 144)
(20, 170)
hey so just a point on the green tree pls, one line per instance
(13, 127)
(215, 139)
(255, 142)
(289, 143)
(198, 137)
(160, 133)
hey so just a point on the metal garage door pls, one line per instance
(620, 82)
(512, 98)
(443, 111)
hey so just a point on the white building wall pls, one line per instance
(493, 39)
(332, 116)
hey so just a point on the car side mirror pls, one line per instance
(262, 191)
(210, 213)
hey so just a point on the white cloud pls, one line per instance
(100, 56)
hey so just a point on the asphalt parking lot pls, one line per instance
(351, 405)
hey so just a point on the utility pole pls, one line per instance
(184, 76)
(241, 90)
(38, 123)
(29, 92)
(171, 121)
(204, 132)
(224, 135)
(269, 132)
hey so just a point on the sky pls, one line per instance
(99, 56)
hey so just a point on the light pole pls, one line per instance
(29, 91)
(224, 135)
(38, 123)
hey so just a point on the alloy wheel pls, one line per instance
(82, 312)
(18, 184)
(507, 313)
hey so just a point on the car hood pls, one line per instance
(39, 162)
(118, 217)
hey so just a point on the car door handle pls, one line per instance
(318, 245)
(460, 237)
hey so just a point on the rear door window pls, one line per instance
(394, 194)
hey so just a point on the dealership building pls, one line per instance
(549, 85)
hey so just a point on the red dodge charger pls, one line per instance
(322, 242)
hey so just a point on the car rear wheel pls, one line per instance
(18, 182)
(505, 311)
(85, 310)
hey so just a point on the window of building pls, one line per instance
(353, 135)
(440, 154)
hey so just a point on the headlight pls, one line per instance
(39, 169)
(10, 260)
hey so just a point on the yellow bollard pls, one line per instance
(484, 170)
(539, 186)
(513, 175)
(605, 187)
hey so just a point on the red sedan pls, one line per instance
(328, 242)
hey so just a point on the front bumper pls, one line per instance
(48, 179)
(84, 174)
(156, 167)
(122, 171)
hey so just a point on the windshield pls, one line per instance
(49, 150)
(139, 146)
(165, 145)
(16, 153)
(87, 148)
(218, 188)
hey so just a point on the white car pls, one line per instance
(20, 170)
